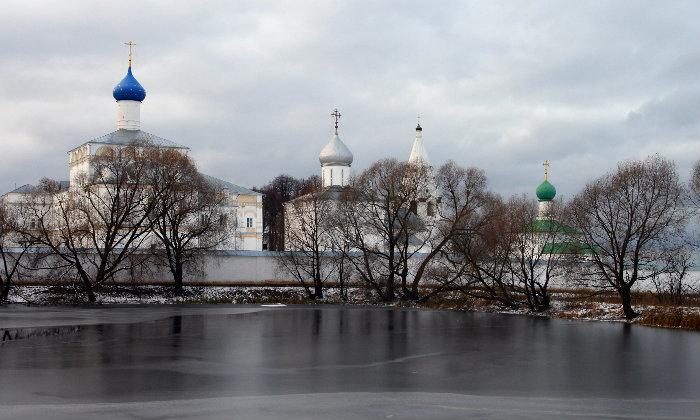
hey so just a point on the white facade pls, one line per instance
(249, 233)
(335, 175)
(544, 210)
(128, 115)
(79, 163)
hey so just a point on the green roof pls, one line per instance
(551, 226)
(546, 191)
(567, 248)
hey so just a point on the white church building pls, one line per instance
(336, 171)
(242, 203)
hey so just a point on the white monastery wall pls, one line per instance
(261, 267)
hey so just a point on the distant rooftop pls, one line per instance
(332, 193)
(237, 189)
(229, 186)
(124, 137)
(29, 188)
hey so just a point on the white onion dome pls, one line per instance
(335, 153)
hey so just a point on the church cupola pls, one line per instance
(545, 194)
(129, 89)
(129, 94)
(335, 159)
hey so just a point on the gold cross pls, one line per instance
(336, 115)
(546, 170)
(131, 45)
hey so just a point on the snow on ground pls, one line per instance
(564, 303)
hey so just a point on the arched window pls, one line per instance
(129, 152)
(105, 151)
(431, 208)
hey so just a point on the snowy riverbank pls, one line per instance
(570, 304)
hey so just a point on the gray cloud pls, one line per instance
(249, 85)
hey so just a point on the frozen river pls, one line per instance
(326, 362)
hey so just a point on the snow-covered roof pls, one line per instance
(29, 188)
(124, 137)
(332, 193)
(335, 153)
(229, 186)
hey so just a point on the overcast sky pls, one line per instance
(249, 85)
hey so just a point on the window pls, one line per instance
(249, 222)
(331, 176)
(431, 208)
(414, 207)
(222, 220)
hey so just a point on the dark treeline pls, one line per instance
(275, 193)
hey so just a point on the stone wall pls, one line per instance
(243, 268)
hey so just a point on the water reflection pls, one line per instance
(14, 334)
(342, 349)
(177, 324)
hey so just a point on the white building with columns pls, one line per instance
(243, 203)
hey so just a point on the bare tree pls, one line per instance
(480, 257)
(694, 195)
(189, 214)
(97, 226)
(458, 195)
(672, 284)
(695, 185)
(13, 248)
(278, 191)
(542, 248)
(630, 218)
(376, 221)
(308, 238)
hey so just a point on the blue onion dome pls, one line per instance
(129, 89)
(546, 191)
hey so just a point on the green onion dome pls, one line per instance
(546, 191)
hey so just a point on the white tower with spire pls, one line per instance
(335, 159)
(426, 206)
(418, 153)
